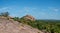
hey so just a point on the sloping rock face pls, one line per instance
(10, 26)
(7, 26)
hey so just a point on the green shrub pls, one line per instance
(5, 14)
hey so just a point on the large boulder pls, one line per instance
(29, 17)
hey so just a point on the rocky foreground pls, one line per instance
(11, 26)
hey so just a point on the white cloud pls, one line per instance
(29, 8)
(53, 9)
(56, 10)
(4, 9)
(43, 9)
(43, 14)
(26, 9)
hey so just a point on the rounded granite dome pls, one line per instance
(29, 17)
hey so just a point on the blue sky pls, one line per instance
(40, 9)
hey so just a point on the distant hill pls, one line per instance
(49, 20)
